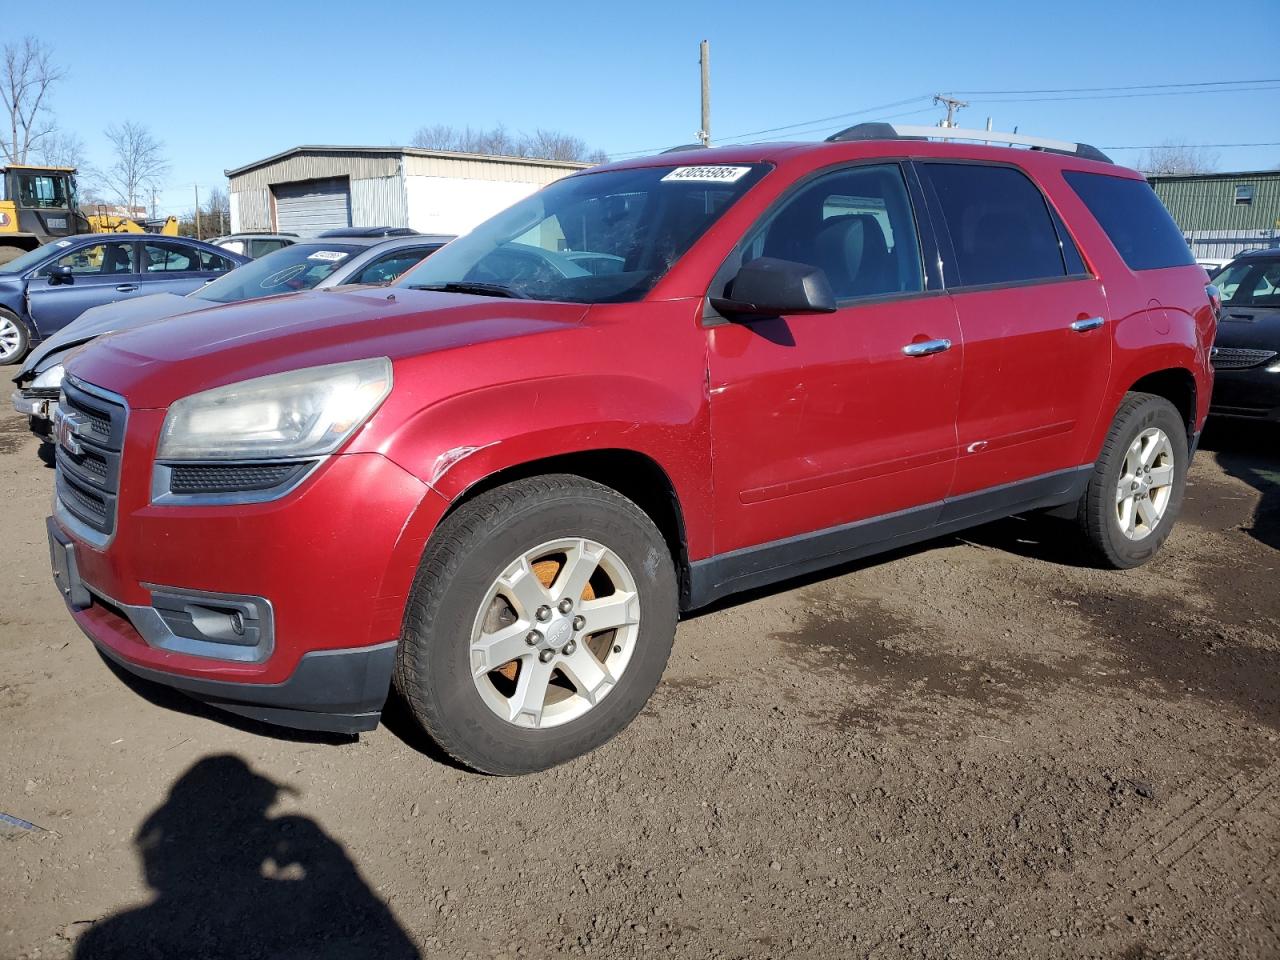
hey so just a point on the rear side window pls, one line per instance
(999, 223)
(1133, 217)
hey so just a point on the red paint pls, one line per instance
(764, 432)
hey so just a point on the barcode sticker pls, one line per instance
(708, 174)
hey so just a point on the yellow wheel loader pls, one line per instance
(39, 204)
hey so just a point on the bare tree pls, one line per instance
(139, 163)
(61, 149)
(543, 144)
(1177, 158)
(28, 73)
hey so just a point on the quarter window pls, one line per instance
(856, 224)
(1133, 218)
(999, 223)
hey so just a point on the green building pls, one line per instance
(1222, 214)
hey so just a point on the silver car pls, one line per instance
(305, 265)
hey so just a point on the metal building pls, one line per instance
(308, 189)
(1222, 214)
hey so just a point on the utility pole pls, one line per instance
(704, 60)
(952, 105)
(199, 233)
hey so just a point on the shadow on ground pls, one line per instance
(230, 880)
(1251, 452)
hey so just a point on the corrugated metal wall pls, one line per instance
(1208, 203)
(379, 202)
(318, 166)
(250, 210)
(1205, 209)
(487, 168)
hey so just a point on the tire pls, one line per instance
(492, 542)
(15, 338)
(1144, 423)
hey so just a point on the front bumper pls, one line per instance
(1252, 393)
(335, 690)
(41, 410)
(320, 577)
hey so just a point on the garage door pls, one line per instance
(312, 206)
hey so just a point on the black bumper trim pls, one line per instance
(340, 691)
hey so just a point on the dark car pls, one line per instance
(44, 290)
(304, 265)
(1246, 353)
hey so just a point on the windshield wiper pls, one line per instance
(470, 286)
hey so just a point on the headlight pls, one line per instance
(51, 378)
(303, 413)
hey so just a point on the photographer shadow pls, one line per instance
(232, 881)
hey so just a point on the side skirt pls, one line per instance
(757, 566)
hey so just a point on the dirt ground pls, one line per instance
(975, 748)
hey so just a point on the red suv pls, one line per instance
(498, 483)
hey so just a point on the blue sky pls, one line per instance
(227, 82)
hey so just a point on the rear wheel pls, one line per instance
(14, 338)
(1136, 490)
(540, 622)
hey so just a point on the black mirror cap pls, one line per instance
(769, 287)
(61, 274)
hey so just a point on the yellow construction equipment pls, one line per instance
(39, 204)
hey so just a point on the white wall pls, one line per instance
(452, 205)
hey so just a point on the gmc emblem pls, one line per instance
(67, 426)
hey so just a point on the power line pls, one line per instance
(787, 126)
(1158, 146)
(1123, 96)
(1136, 86)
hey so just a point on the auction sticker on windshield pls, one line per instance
(708, 174)
(332, 255)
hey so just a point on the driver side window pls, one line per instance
(855, 224)
(98, 258)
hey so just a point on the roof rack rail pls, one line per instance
(685, 146)
(891, 131)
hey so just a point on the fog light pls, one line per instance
(1274, 368)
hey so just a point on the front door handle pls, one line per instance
(926, 348)
(126, 288)
(1088, 323)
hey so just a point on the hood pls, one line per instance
(108, 318)
(153, 365)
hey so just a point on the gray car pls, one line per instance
(305, 265)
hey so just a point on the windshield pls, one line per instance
(1250, 283)
(299, 267)
(42, 190)
(33, 258)
(592, 238)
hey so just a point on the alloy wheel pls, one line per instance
(1146, 484)
(554, 633)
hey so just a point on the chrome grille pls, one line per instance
(1238, 358)
(89, 438)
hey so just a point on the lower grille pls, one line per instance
(1239, 358)
(89, 434)
(231, 478)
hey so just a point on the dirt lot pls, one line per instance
(976, 748)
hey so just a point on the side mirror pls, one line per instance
(769, 287)
(61, 274)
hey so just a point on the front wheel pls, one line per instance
(15, 338)
(539, 624)
(1135, 493)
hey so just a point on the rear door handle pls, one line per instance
(127, 287)
(926, 348)
(1088, 323)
